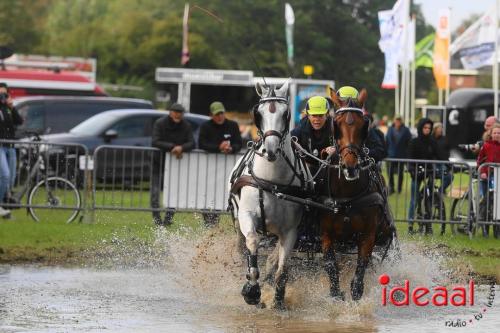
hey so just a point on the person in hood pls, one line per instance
(423, 147)
(171, 134)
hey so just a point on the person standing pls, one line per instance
(397, 138)
(218, 135)
(423, 147)
(171, 134)
(9, 119)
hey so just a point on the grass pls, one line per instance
(54, 241)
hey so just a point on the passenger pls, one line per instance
(423, 147)
(398, 137)
(220, 135)
(375, 141)
(172, 134)
(9, 119)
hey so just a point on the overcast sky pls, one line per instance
(460, 9)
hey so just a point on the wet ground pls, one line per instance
(193, 285)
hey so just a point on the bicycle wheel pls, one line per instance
(54, 198)
(460, 213)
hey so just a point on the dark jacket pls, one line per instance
(397, 141)
(422, 147)
(212, 135)
(443, 148)
(9, 119)
(314, 141)
(376, 145)
(167, 134)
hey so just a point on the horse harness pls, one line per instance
(238, 181)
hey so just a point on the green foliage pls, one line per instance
(130, 38)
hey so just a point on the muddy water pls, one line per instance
(180, 284)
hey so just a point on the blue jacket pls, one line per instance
(397, 143)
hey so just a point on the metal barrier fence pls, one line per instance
(426, 192)
(65, 177)
(45, 178)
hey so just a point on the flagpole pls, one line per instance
(495, 64)
(449, 61)
(404, 79)
(396, 91)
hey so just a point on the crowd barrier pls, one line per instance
(442, 193)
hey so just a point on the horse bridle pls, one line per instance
(286, 118)
(359, 152)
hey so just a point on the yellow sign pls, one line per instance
(308, 70)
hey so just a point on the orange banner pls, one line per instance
(441, 54)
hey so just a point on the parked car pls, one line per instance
(129, 127)
(58, 114)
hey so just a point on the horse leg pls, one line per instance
(332, 269)
(272, 265)
(251, 289)
(365, 247)
(286, 244)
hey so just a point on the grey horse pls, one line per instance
(273, 165)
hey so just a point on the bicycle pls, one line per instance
(433, 202)
(464, 208)
(45, 192)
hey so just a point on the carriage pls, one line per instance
(272, 191)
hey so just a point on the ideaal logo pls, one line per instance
(422, 296)
(438, 296)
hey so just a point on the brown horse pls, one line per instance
(355, 191)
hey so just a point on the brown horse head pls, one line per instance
(350, 129)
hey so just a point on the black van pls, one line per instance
(58, 114)
(466, 111)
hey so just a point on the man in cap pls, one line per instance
(173, 134)
(220, 135)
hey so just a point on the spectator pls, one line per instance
(423, 147)
(489, 153)
(170, 134)
(220, 135)
(443, 171)
(398, 137)
(9, 119)
(488, 125)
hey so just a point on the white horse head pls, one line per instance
(272, 118)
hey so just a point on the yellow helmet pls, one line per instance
(317, 105)
(347, 92)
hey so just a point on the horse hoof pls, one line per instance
(251, 293)
(338, 296)
(260, 305)
(279, 305)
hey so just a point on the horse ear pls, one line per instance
(258, 89)
(362, 97)
(334, 97)
(283, 90)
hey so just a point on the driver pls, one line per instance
(313, 133)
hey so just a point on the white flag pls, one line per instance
(393, 40)
(476, 46)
